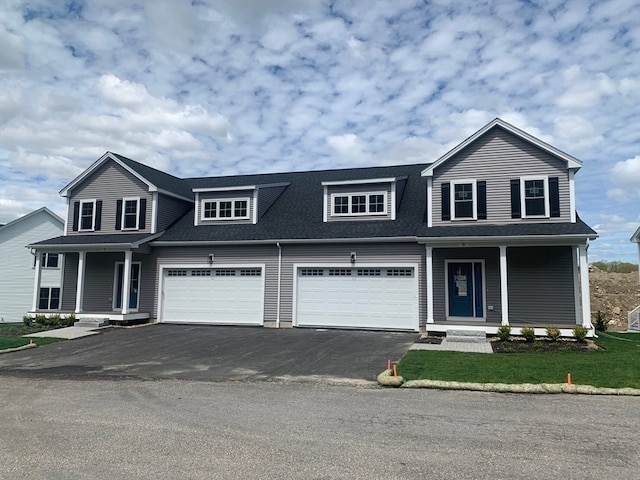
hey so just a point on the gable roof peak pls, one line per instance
(572, 162)
(155, 179)
(55, 217)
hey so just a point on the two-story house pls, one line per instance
(486, 235)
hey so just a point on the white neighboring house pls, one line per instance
(634, 315)
(635, 238)
(17, 265)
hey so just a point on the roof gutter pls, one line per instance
(196, 243)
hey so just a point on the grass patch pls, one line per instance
(614, 366)
(11, 336)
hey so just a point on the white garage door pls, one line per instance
(385, 298)
(213, 295)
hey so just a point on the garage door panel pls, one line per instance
(384, 298)
(224, 296)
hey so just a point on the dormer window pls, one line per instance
(370, 203)
(228, 209)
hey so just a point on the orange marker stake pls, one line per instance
(30, 341)
(568, 379)
(395, 371)
(388, 364)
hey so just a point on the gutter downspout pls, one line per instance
(279, 282)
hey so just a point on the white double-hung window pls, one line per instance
(535, 197)
(463, 200)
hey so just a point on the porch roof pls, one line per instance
(72, 243)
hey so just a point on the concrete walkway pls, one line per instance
(68, 333)
(446, 345)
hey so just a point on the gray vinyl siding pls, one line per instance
(99, 276)
(491, 257)
(236, 194)
(109, 183)
(266, 197)
(540, 281)
(169, 210)
(70, 281)
(227, 255)
(363, 188)
(498, 157)
(326, 254)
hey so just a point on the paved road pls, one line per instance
(214, 353)
(168, 429)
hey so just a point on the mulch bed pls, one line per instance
(522, 346)
(430, 339)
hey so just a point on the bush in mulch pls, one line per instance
(433, 340)
(523, 346)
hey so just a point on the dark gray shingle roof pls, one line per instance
(116, 238)
(162, 180)
(298, 213)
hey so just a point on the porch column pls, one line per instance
(82, 256)
(576, 284)
(126, 281)
(584, 286)
(36, 282)
(504, 291)
(429, 279)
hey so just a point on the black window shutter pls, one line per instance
(143, 213)
(119, 215)
(515, 199)
(554, 197)
(76, 215)
(481, 188)
(98, 224)
(446, 201)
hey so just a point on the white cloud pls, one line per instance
(12, 51)
(349, 147)
(626, 176)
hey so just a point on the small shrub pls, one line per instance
(41, 320)
(529, 334)
(602, 322)
(54, 320)
(27, 320)
(553, 333)
(504, 332)
(69, 320)
(580, 333)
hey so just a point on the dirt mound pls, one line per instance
(615, 295)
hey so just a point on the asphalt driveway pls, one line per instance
(214, 353)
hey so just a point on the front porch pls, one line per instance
(477, 286)
(100, 281)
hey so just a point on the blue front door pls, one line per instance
(466, 293)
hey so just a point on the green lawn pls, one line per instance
(618, 365)
(11, 336)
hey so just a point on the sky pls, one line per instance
(206, 88)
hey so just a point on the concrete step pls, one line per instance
(92, 322)
(466, 336)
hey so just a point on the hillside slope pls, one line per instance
(614, 294)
